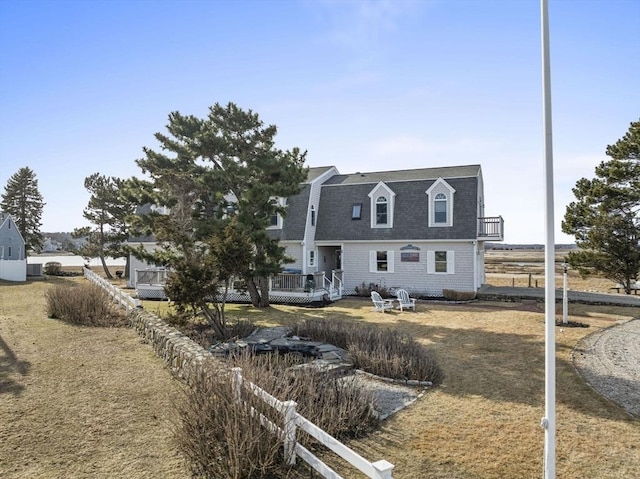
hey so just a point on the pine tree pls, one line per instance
(24, 203)
(605, 218)
(225, 165)
(108, 211)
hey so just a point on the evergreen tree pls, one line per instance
(210, 170)
(23, 201)
(108, 211)
(605, 219)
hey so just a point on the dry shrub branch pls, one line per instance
(218, 435)
(383, 352)
(223, 438)
(84, 304)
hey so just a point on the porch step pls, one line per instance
(334, 295)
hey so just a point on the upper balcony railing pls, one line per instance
(491, 227)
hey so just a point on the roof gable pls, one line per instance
(438, 183)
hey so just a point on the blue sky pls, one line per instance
(362, 85)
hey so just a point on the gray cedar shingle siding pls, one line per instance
(410, 218)
(296, 217)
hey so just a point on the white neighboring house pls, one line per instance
(50, 245)
(13, 259)
(421, 230)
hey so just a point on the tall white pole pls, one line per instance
(565, 294)
(549, 420)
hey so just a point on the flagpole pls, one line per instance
(549, 419)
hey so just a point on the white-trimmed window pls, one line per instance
(275, 219)
(381, 261)
(382, 205)
(313, 215)
(440, 206)
(440, 262)
(382, 211)
(312, 259)
(440, 209)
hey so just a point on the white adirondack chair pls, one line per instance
(381, 305)
(405, 301)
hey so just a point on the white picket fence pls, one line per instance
(119, 296)
(287, 433)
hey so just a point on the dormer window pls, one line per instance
(381, 211)
(276, 219)
(440, 205)
(440, 208)
(313, 215)
(382, 203)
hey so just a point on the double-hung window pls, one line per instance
(440, 262)
(382, 211)
(381, 261)
(440, 208)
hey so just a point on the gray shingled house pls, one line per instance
(13, 259)
(422, 230)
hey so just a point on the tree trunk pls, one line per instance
(107, 273)
(264, 292)
(214, 320)
(258, 289)
(254, 294)
(127, 267)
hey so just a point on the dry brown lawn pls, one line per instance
(107, 418)
(78, 402)
(484, 421)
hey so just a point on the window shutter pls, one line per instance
(431, 262)
(390, 261)
(450, 262)
(373, 263)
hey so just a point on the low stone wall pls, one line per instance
(179, 352)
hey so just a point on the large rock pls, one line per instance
(328, 358)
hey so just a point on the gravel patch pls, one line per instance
(609, 360)
(390, 396)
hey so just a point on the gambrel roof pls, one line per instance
(410, 211)
(406, 175)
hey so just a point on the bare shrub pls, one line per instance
(453, 295)
(366, 289)
(335, 404)
(84, 304)
(384, 352)
(218, 435)
(53, 268)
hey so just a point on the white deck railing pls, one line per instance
(292, 448)
(119, 296)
